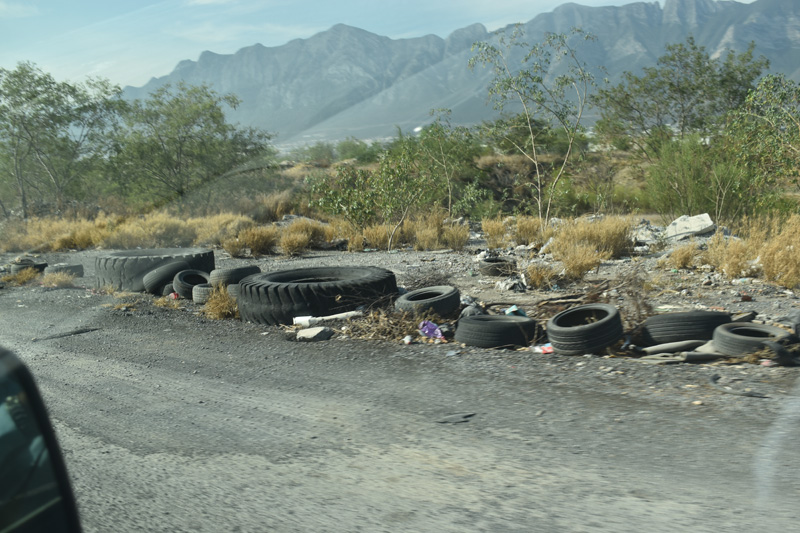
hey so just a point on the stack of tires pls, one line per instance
(159, 271)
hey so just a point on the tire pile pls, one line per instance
(273, 298)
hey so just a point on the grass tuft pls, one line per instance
(540, 276)
(261, 240)
(220, 304)
(455, 236)
(24, 276)
(58, 280)
(495, 231)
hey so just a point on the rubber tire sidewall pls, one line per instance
(578, 339)
(125, 270)
(498, 331)
(441, 299)
(728, 338)
(184, 281)
(273, 298)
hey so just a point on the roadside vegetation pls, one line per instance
(81, 168)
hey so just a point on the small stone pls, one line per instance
(314, 334)
(697, 402)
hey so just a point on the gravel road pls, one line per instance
(172, 422)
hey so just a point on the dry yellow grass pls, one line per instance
(609, 236)
(495, 231)
(683, 256)
(155, 230)
(317, 232)
(53, 234)
(733, 257)
(377, 236)
(234, 246)
(58, 280)
(220, 304)
(540, 276)
(528, 230)
(213, 230)
(579, 259)
(26, 275)
(294, 242)
(167, 302)
(426, 239)
(261, 240)
(455, 236)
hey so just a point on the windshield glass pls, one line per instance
(436, 266)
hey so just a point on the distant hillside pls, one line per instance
(349, 82)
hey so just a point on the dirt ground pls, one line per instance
(173, 422)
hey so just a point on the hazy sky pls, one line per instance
(130, 41)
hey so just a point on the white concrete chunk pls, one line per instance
(314, 334)
(686, 226)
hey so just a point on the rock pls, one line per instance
(686, 226)
(314, 334)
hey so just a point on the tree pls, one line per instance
(446, 153)
(765, 131)
(687, 91)
(178, 140)
(539, 86)
(52, 133)
(385, 196)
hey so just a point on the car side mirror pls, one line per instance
(35, 492)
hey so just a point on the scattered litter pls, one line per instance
(408, 339)
(430, 330)
(306, 321)
(543, 348)
(514, 310)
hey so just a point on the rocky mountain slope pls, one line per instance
(349, 82)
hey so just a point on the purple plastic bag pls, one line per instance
(429, 329)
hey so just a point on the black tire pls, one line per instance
(185, 280)
(167, 289)
(584, 329)
(155, 280)
(233, 290)
(226, 276)
(686, 326)
(201, 292)
(498, 331)
(125, 270)
(441, 299)
(497, 266)
(742, 338)
(38, 266)
(277, 297)
(75, 270)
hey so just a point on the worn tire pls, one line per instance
(155, 280)
(441, 299)
(125, 270)
(233, 290)
(742, 338)
(226, 276)
(75, 270)
(584, 329)
(201, 292)
(277, 297)
(686, 326)
(38, 266)
(497, 266)
(185, 280)
(498, 331)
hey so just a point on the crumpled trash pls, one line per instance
(543, 348)
(431, 330)
(472, 310)
(514, 310)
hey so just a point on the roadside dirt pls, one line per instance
(173, 422)
(636, 285)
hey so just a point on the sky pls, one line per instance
(130, 41)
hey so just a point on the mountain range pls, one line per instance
(348, 82)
